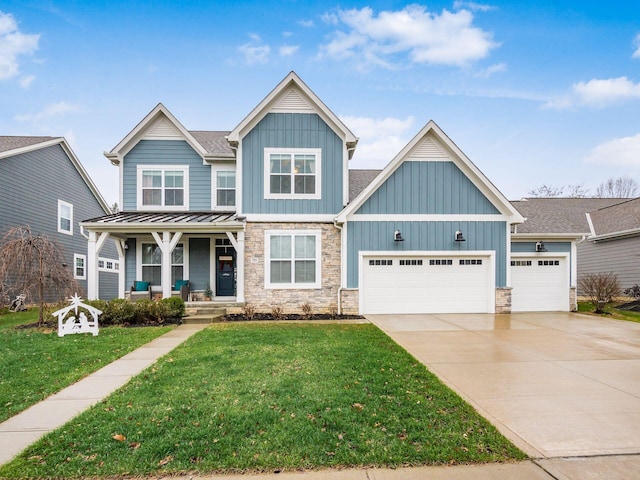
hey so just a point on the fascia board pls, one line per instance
(31, 148)
(546, 236)
(615, 235)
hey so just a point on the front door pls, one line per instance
(225, 271)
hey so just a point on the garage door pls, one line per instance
(539, 284)
(427, 284)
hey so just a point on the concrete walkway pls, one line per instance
(22, 430)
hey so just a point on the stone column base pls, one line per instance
(503, 299)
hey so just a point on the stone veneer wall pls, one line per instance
(573, 299)
(503, 300)
(322, 300)
(350, 301)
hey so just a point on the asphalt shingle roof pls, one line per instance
(559, 215)
(11, 143)
(215, 143)
(616, 218)
(358, 181)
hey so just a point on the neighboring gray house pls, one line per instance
(269, 213)
(560, 221)
(614, 243)
(45, 187)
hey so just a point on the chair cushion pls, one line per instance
(141, 286)
(180, 283)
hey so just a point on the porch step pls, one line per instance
(202, 318)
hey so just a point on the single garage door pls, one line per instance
(427, 284)
(540, 284)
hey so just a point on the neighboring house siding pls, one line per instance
(621, 256)
(108, 285)
(428, 188)
(292, 130)
(199, 263)
(425, 236)
(167, 152)
(130, 261)
(35, 181)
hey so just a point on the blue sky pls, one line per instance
(544, 92)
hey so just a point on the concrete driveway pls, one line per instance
(556, 384)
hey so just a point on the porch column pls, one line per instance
(240, 268)
(121, 272)
(167, 243)
(92, 267)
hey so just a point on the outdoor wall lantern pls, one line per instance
(126, 245)
(540, 246)
(397, 236)
(458, 237)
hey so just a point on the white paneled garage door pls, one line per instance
(427, 284)
(540, 284)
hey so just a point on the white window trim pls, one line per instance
(163, 168)
(267, 260)
(214, 189)
(105, 268)
(288, 196)
(70, 206)
(77, 256)
(184, 241)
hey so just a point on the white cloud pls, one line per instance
(489, 71)
(424, 37)
(306, 23)
(288, 50)
(636, 44)
(25, 82)
(598, 93)
(255, 51)
(473, 6)
(379, 139)
(623, 151)
(13, 43)
(53, 110)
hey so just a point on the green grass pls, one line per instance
(35, 363)
(610, 311)
(270, 397)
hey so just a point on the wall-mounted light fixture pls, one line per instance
(397, 236)
(126, 245)
(540, 246)
(458, 237)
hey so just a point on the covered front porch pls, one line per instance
(160, 252)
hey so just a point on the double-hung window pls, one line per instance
(79, 266)
(152, 263)
(292, 259)
(163, 187)
(292, 173)
(65, 217)
(225, 189)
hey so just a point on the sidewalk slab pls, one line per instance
(614, 467)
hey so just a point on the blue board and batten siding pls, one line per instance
(33, 182)
(167, 152)
(292, 130)
(427, 188)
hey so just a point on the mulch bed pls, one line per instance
(239, 317)
(630, 306)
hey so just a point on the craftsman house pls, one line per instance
(270, 214)
(46, 188)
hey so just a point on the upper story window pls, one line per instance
(163, 187)
(292, 173)
(65, 217)
(225, 188)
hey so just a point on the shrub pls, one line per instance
(277, 312)
(601, 288)
(306, 311)
(633, 291)
(333, 311)
(249, 311)
(169, 308)
(118, 312)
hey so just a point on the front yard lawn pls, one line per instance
(270, 397)
(610, 311)
(35, 363)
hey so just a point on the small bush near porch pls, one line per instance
(270, 397)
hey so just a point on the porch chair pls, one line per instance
(181, 289)
(140, 290)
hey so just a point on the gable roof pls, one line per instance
(559, 215)
(422, 145)
(160, 124)
(293, 95)
(11, 146)
(620, 219)
(214, 142)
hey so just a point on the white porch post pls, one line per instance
(92, 267)
(240, 268)
(121, 272)
(167, 243)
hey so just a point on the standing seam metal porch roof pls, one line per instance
(164, 220)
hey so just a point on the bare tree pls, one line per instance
(35, 265)
(601, 288)
(548, 191)
(621, 187)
